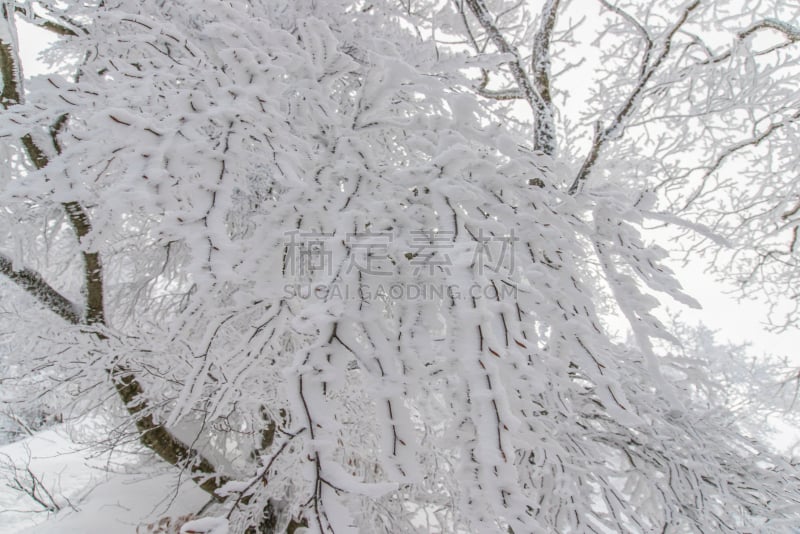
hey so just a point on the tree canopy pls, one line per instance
(360, 267)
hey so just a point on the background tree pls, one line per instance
(692, 101)
(330, 270)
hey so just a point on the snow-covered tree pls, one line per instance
(332, 268)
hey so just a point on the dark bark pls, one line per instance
(33, 284)
(540, 66)
(544, 131)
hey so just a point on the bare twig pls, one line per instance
(25, 481)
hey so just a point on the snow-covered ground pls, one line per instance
(97, 493)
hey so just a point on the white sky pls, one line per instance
(737, 321)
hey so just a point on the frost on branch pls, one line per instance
(342, 281)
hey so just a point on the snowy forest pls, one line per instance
(395, 266)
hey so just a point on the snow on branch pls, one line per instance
(32, 283)
(544, 135)
(789, 31)
(617, 125)
(347, 295)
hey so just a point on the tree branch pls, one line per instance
(791, 33)
(733, 149)
(33, 18)
(617, 126)
(33, 284)
(540, 64)
(152, 434)
(648, 41)
(9, 63)
(544, 135)
(505, 94)
(591, 158)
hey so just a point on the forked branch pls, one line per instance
(535, 92)
(649, 67)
